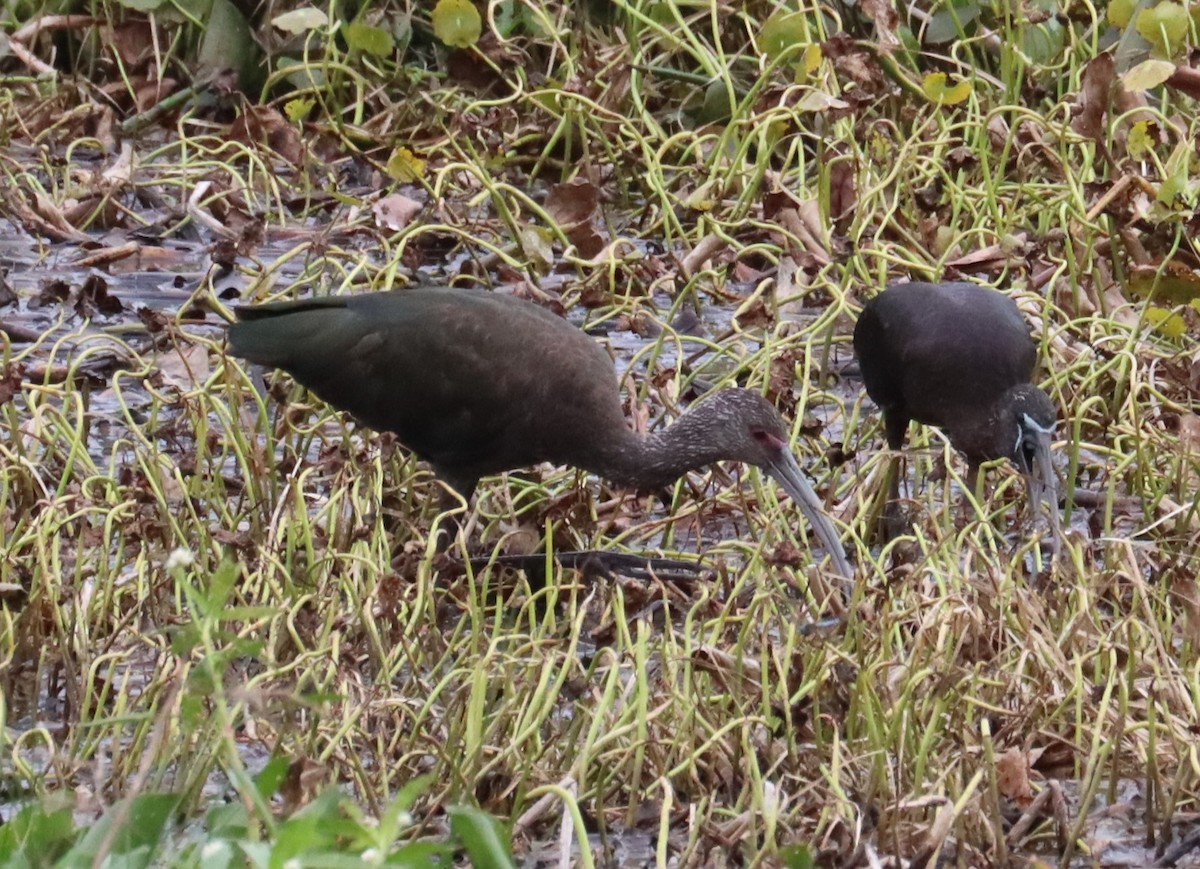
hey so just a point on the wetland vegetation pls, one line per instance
(225, 638)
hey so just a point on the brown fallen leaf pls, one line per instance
(93, 298)
(395, 212)
(1186, 79)
(184, 367)
(572, 203)
(265, 126)
(1095, 96)
(1012, 777)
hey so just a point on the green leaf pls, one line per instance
(39, 832)
(143, 5)
(405, 166)
(395, 818)
(798, 857)
(301, 20)
(481, 835)
(781, 32)
(140, 822)
(1139, 142)
(229, 820)
(536, 244)
(951, 21)
(227, 42)
(369, 39)
(1165, 27)
(1120, 12)
(301, 75)
(1043, 43)
(1166, 322)
(216, 598)
(1178, 184)
(1147, 74)
(298, 110)
(457, 23)
(938, 89)
(216, 854)
(271, 777)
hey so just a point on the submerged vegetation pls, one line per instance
(220, 608)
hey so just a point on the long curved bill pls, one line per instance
(1043, 483)
(786, 471)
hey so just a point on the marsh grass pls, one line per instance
(223, 594)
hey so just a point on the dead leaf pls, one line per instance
(93, 298)
(264, 126)
(1186, 79)
(10, 384)
(53, 291)
(8, 296)
(1189, 432)
(149, 92)
(855, 62)
(1012, 777)
(803, 238)
(395, 212)
(588, 240)
(132, 42)
(184, 367)
(572, 203)
(572, 206)
(843, 190)
(991, 258)
(1095, 95)
(883, 13)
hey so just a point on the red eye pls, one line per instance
(761, 436)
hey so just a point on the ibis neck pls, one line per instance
(658, 459)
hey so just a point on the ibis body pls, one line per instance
(477, 383)
(959, 356)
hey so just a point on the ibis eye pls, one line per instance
(759, 435)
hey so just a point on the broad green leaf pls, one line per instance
(368, 39)
(1178, 183)
(1165, 27)
(1166, 322)
(405, 166)
(457, 23)
(938, 89)
(301, 75)
(798, 857)
(38, 830)
(1139, 141)
(536, 244)
(951, 21)
(1172, 283)
(781, 32)
(217, 854)
(272, 776)
(1148, 74)
(143, 5)
(1120, 11)
(1043, 43)
(298, 110)
(486, 844)
(227, 42)
(812, 59)
(141, 826)
(301, 20)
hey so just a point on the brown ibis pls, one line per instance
(476, 383)
(959, 356)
